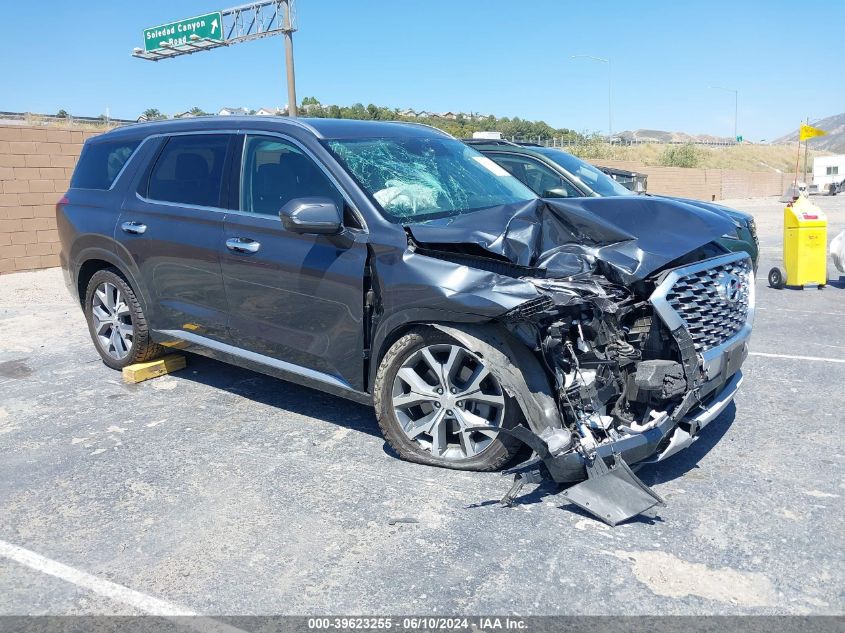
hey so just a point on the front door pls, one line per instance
(173, 230)
(294, 298)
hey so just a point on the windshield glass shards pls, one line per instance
(416, 179)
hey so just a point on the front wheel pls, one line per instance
(436, 400)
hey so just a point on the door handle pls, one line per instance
(242, 245)
(135, 228)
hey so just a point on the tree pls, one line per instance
(197, 111)
(310, 101)
(152, 114)
(62, 114)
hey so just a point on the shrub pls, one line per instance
(687, 155)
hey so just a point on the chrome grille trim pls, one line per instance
(690, 297)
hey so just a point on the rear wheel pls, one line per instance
(116, 321)
(436, 402)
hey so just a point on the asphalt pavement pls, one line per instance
(218, 491)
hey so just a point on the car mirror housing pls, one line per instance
(556, 192)
(320, 216)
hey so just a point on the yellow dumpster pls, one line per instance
(804, 247)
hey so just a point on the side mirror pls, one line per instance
(556, 192)
(319, 216)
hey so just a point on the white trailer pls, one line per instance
(828, 170)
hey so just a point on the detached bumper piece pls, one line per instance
(611, 492)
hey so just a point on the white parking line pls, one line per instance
(790, 356)
(797, 311)
(135, 599)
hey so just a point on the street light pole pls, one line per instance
(609, 63)
(288, 32)
(736, 106)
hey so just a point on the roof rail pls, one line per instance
(431, 127)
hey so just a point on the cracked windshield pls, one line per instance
(419, 179)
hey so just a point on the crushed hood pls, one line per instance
(635, 235)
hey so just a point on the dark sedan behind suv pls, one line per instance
(392, 264)
(551, 172)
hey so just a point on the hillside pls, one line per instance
(661, 136)
(746, 157)
(833, 142)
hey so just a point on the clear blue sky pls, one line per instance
(508, 59)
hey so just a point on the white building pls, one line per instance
(267, 111)
(233, 112)
(828, 170)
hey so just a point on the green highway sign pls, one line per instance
(207, 27)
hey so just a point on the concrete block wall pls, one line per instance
(707, 184)
(35, 167)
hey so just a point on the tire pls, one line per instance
(776, 279)
(470, 401)
(116, 322)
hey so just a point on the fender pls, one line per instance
(123, 263)
(521, 374)
(403, 321)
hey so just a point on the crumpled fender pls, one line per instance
(520, 373)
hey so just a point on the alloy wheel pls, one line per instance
(440, 394)
(112, 321)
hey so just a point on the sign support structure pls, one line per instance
(215, 29)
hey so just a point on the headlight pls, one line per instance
(752, 228)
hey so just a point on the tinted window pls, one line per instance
(275, 172)
(189, 170)
(100, 163)
(542, 180)
(591, 177)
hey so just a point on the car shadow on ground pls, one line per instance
(300, 400)
(837, 283)
(280, 394)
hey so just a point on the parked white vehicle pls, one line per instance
(837, 251)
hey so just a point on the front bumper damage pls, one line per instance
(612, 492)
(595, 444)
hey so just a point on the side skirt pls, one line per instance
(190, 342)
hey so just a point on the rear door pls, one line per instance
(173, 229)
(294, 298)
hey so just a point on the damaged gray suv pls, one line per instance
(391, 264)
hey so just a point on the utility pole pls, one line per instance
(805, 156)
(288, 32)
(609, 99)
